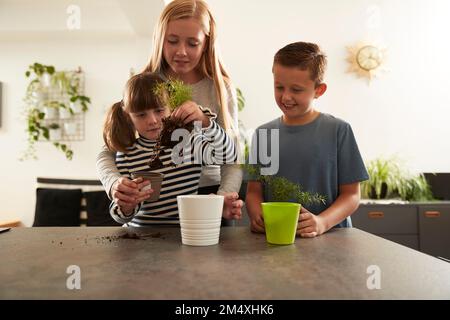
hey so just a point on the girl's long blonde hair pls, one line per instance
(210, 63)
(118, 131)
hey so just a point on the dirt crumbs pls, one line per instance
(128, 235)
(132, 235)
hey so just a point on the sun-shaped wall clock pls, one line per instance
(366, 60)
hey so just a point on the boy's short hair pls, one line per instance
(305, 56)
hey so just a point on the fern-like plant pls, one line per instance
(282, 189)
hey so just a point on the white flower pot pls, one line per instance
(46, 79)
(50, 113)
(39, 96)
(70, 128)
(55, 134)
(76, 107)
(64, 113)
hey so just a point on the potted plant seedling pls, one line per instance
(282, 213)
(173, 93)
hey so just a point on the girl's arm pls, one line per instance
(118, 187)
(230, 178)
(213, 145)
(123, 212)
(107, 169)
(253, 201)
(231, 174)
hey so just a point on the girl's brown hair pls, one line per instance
(118, 131)
(305, 56)
(210, 64)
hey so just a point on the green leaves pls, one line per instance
(68, 84)
(173, 93)
(39, 69)
(399, 181)
(83, 101)
(282, 189)
(65, 149)
(240, 99)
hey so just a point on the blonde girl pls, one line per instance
(185, 47)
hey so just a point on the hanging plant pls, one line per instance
(37, 100)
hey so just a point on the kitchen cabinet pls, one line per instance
(423, 226)
(397, 222)
(434, 223)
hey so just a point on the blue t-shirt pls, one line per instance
(320, 156)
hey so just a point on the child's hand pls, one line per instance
(309, 225)
(190, 111)
(257, 223)
(232, 206)
(127, 193)
(127, 210)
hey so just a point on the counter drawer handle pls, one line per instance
(376, 215)
(432, 214)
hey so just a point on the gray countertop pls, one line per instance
(335, 265)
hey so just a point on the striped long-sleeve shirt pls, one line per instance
(203, 146)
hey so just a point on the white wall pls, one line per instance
(405, 111)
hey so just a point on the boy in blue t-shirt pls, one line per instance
(316, 150)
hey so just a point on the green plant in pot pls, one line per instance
(44, 73)
(282, 213)
(389, 178)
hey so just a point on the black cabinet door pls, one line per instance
(434, 224)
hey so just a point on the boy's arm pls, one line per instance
(346, 203)
(253, 200)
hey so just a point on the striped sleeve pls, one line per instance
(212, 146)
(115, 210)
(119, 216)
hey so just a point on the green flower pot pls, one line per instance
(280, 221)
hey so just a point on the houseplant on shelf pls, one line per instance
(41, 108)
(389, 178)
